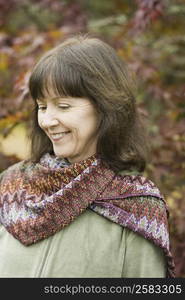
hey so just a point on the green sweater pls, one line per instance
(91, 246)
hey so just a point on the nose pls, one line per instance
(49, 120)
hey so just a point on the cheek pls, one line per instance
(39, 121)
(93, 121)
(89, 126)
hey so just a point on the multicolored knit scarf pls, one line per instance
(39, 199)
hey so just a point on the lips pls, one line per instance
(58, 135)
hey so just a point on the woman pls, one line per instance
(80, 206)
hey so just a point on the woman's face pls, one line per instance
(71, 124)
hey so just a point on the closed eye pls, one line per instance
(41, 107)
(64, 107)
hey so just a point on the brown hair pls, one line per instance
(89, 68)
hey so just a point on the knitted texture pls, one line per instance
(39, 199)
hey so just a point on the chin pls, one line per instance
(60, 155)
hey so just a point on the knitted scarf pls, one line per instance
(39, 199)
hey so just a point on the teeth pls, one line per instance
(58, 135)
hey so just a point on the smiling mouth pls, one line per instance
(58, 136)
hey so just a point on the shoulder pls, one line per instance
(143, 192)
(138, 185)
(127, 184)
(137, 195)
(14, 171)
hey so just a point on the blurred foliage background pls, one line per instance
(149, 35)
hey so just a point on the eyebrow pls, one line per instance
(43, 100)
(54, 99)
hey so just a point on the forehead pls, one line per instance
(49, 92)
(75, 101)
